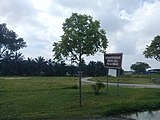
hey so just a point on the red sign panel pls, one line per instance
(113, 61)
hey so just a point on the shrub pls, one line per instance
(97, 87)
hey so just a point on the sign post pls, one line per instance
(118, 73)
(107, 71)
(113, 61)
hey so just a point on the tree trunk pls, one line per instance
(80, 85)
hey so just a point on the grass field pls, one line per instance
(41, 98)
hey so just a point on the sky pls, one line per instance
(130, 25)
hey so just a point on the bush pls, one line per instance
(75, 86)
(97, 87)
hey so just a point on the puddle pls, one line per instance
(148, 115)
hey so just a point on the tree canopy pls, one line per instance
(153, 50)
(139, 67)
(9, 40)
(82, 36)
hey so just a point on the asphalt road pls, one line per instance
(122, 84)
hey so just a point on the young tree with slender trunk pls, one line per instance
(82, 36)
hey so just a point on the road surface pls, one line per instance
(122, 84)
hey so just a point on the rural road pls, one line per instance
(122, 84)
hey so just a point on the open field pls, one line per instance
(40, 98)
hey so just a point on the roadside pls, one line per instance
(110, 118)
(122, 84)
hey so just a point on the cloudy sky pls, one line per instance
(130, 24)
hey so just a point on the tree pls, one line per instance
(30, 67)
(153, 50)
(6, 64)
(72, 70)
(82, 36)
(41, 65)
(50, 67)
(91, 68)
(9, 40)
(60, 68)
(17, 63)
(100, 69)
(139, 67)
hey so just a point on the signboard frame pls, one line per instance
(113, 60)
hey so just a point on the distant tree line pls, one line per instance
(15, 65)
(12, 62)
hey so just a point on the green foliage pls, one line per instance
(95, 69)
(97, 87)
(9, 40)
(153, 50)
(82, 36)
(9, 57)
(139, 67)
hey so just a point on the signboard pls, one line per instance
(113, 60)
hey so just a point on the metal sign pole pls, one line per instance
(107, 71)
(113, 61)
(118, 73)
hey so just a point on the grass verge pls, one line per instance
(40, 98)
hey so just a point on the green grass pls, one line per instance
(40, 98)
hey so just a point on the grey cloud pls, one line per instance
(109, 15)
(77, 4)
(152, 24)
(111, 22)
(108, 12)
(19, 13)
(129, 5)
(126, 43)
(16, 10)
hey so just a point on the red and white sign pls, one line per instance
(113, 60)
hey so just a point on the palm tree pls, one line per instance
(29, 67)
(50, 68)
(41, 65)
(6, 63)
(17, 63)
(18, 57)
